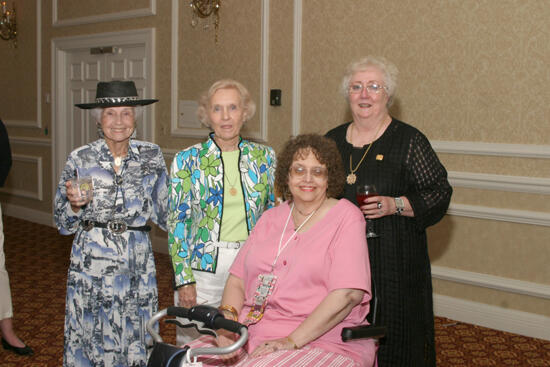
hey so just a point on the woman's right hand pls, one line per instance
(187, 295)
(74, 197)
(224, 339)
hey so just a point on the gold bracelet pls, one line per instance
(231, 309)
(295, 346)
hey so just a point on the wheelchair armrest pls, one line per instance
(363, 332)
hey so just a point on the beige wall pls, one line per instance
(470, 72)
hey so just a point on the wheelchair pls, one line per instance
(371, 331)
(206, 320)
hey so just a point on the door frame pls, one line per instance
(61, 48)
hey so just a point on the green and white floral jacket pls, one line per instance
(195, 202)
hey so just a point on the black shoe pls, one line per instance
(25, 351)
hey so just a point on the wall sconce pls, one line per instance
(8, 25)
(204, 9)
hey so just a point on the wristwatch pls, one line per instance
(399, 205)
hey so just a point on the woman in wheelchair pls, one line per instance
(304, 273)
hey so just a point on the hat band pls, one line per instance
(115, 99)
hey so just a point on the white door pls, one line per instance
(80, 63)
(85, 69)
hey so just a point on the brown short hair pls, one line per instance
(325, 151)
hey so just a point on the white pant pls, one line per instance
(5, 295)
(209, 290)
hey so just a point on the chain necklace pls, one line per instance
(281, 246)
(352, 177)
(232, 189)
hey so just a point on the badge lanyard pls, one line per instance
(267, 281)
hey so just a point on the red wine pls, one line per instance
(362, 197)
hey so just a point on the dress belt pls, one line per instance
(114, 226)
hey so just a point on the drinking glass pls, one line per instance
(85, 187)
(363, 192)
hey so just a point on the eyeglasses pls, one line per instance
(300, 172)
(372, 88)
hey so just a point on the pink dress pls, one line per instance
(330, 255)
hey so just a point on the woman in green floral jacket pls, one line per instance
(218, 191)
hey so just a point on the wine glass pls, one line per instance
(363, 192)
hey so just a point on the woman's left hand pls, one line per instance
(270, 346)
(378, 207)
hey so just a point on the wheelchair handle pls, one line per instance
(177, 311)
(211, 317)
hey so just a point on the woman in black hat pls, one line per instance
(107, 192)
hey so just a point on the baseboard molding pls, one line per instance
(159, 243)
(31, 215)
(517, 322)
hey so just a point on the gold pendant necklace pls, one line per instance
(352, 177)
(232, 189)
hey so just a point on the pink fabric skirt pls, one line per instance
(303, 357)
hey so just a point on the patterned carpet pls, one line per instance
(37, 258)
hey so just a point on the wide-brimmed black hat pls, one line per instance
(116, 93)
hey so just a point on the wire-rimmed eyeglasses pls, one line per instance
(371, 88)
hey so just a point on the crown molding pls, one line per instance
(135, 13)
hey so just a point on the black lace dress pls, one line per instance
(402, 163)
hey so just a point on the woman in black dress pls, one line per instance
(413, 193)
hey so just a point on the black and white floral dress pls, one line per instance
(111, 285)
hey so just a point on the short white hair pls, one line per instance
(97, 112)
(247, 103)
(387, 68)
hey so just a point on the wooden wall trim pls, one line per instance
(134, 13)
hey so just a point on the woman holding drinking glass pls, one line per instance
(412, 193)
(111, 282)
